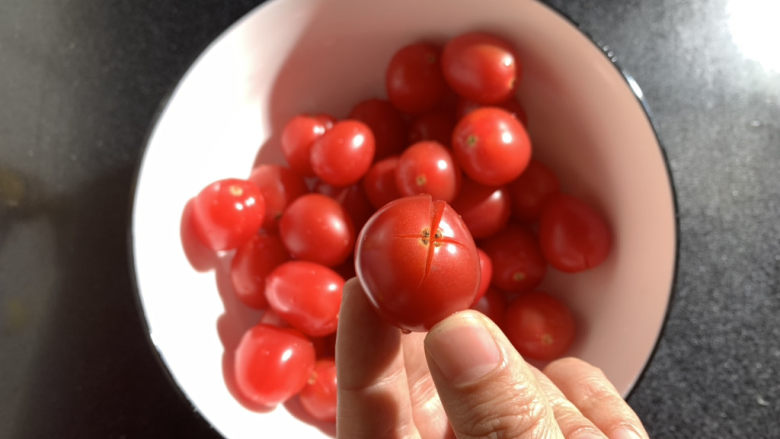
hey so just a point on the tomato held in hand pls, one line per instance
(518, 264)
(573, 235)
(379, 182)
(279, 186)
(531, 189)
(252, 263)
(385, 122)
(298, 135)
(319, 395)
(491, 146)
(306, 295)
(485, 209)
(344, 153)
(272, 364)
(417, 262)
(414, 79)
(227, 213)
(539, 326)
(316, 228)
(428, 168)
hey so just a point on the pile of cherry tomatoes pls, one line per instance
(432, 194)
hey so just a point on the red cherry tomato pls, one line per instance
(344, 153)
(539, 326)
(484, 209)
(226, 213)
(480, 67)
(518, 264)
(306, 295)
(319, 395)
(491, 146)
(465, 106)
(428, 168)
(386, 124)
(352, 198)
(573, 235)
(272, 364)
(252, 263)
(417, 262)
(435, 125)
(486, 274)
(316, 228)
(298, 136)
(414, 80)
(531, 189)
(271, 318)
(492, 304)
(379, 182)
(279, 186)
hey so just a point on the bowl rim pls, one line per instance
(604, 48)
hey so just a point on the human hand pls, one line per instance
(463, 379)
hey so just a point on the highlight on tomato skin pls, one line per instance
(417, 262)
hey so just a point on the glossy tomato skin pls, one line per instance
(352, 199)
(465, 106)
(531, 189)
(414, 80)
(298, 135)
(385, 122)
(574, 236)
(417, 262)
(272, 364)
(379, 182)
(428, 168)
(226, 213)
(481, 67)
(493, 305)
(491, 146)
(306, 295)
(316, 228)
(539, 326)
(344, 153)
(518, 264)
(252, 263)
(434, 125)
(279, 186)
(485, 209)
(318, 397)
(486, 274)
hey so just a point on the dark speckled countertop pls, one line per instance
(80, 84)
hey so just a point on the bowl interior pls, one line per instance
(292, 56)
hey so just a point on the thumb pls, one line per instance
(485, 386)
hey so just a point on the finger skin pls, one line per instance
(589, 389)
(373, 393)
(497, 398)
(572, 422)
(429, 415)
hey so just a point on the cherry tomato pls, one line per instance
(272, 364)
(492, 304)
(298, 136)
(379, 182)
(484, 209)
(435, 125)
(226, 213)
(518, 264)
(465, 106)
(252, 263)
(385, 122)
(316, 228)
(279, 186)
(491, 146)
(486, 274)
(573, 235)
(352, 198)
(318, 397)
(531, 189)
(271, 318)
(417, 262)
(539, 326)
(306, 295)
(428, 168)
(414, 80)
(344, 153)
(480, 67)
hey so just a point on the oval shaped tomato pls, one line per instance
(518, 264)
(428, 168)
(306, 295)
(531, 189)
(539, 326)
(485, 209)
(318, 397)
(417, 262)
(481, 67)
(279, 186)
(491, 146)
(414, 79)
(298, 135)
(379, 182)
(252, 263)
(272, 364)
(316, 228)
(492, 304)
(344, 153)
(573, 235)
(385, 122)
(226, 213)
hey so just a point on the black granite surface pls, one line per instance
(81, 82)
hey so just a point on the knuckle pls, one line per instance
(597, 392)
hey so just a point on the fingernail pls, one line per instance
(463, 349)
(624, 433)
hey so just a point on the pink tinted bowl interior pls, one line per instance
(293, 56)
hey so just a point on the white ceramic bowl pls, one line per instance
(292, 56)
